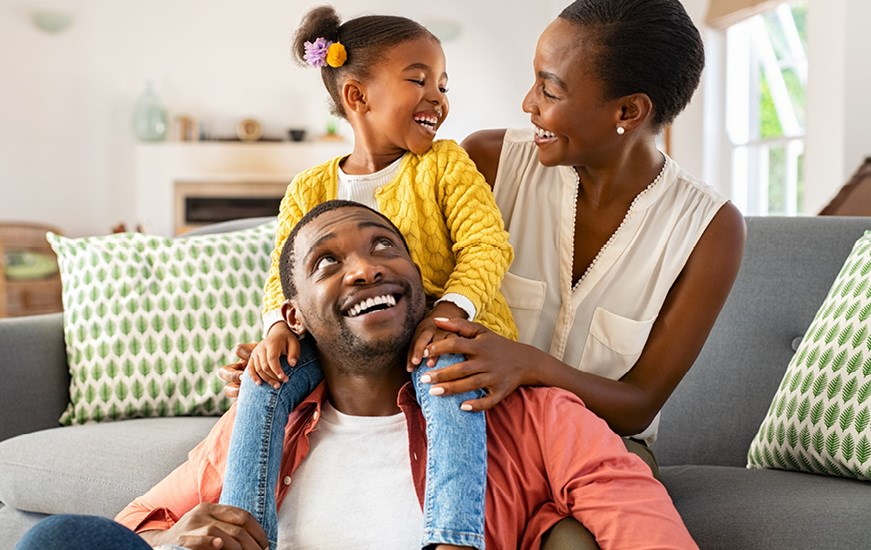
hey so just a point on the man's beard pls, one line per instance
(358, 355)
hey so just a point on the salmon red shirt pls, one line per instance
(549, 457)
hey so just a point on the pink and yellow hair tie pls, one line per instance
(323, 52)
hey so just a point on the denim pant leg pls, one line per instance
(456, 465)
(74, 532)
(257, 442)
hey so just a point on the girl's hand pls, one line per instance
(265, 362)
(493, 363)
(428, 332)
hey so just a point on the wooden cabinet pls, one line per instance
(33, 295)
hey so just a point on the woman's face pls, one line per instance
(575, 126)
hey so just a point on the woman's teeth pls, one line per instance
(543, 134)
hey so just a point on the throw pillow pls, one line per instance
(819, 418)
(148, 320)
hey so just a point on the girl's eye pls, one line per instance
(417, 81)
(381, 244)
(443, 89)
(325, 261)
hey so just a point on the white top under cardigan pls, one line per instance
(601, 326)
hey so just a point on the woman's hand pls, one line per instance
(493, 363)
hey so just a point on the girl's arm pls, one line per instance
(629, 404)
(480, 242)
(278, 340)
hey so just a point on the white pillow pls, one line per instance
(148, 320)
(819, 418)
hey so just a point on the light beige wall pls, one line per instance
(66, 149)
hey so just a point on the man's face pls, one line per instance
(358, 292)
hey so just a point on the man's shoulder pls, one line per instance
(539, 403)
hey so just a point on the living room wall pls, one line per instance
(67, 149)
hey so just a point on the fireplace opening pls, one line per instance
(202, 210)
(199, 203)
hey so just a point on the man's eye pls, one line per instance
(325, 261)
(381, 244)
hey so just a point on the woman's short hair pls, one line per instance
(644, 46)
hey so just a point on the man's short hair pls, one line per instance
(285, 261)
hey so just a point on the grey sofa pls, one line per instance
(706, 428)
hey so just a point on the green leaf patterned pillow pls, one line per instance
(148, 320)
(819, 419)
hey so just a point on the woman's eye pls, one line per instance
(443, 89)
(381, 244)
(325, 261)
(547, 94)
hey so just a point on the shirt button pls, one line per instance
(378, 190)
(315, 416)
(287, 480)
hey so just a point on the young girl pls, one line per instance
(386, 76)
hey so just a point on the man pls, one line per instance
(548, 456)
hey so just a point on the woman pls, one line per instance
(622, 260)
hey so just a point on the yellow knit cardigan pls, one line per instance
(445, 210)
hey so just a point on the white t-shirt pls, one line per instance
(354, 489)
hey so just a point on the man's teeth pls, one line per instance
(544, 134)
(385, 300)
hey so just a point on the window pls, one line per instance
(766, 79)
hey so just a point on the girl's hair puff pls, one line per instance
(365, 38)
(644, 46)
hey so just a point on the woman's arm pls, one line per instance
(484, 148)
(631, 403)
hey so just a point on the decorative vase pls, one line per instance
(149, 116)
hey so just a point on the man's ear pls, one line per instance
(293, 317)
(354, 96)
(635, 110)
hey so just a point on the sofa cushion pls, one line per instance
(149, 319)
(96, 468)
(728, 507)
(819, 418)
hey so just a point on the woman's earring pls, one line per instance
(621, 130)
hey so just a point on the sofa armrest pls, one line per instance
(33, 368)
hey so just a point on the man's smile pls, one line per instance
(369, 305)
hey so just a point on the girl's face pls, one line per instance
(574, 125)
(406, 96)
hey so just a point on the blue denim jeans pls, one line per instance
(456, 468)
(72, 532)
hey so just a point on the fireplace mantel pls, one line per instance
(217, 166)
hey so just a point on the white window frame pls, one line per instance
(748, 47)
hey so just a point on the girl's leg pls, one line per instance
(72, 532)
(456, 465)
(256, 446)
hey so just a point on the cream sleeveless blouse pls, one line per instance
(601, 326)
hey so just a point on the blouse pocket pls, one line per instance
(614, 344)
(525, 297)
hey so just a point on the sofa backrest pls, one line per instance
(788, 267)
